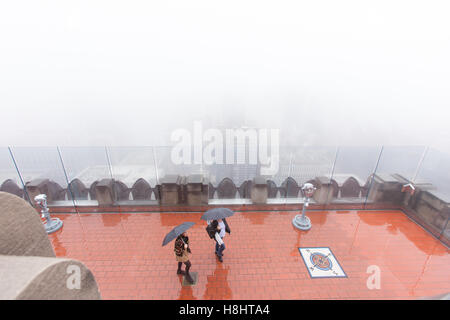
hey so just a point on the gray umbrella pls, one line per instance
(217, 213)
(176, 232)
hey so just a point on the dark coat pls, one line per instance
(214, 224)
(179, 245)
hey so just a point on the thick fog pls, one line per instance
(130, 72)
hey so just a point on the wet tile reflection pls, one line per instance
(262, 260)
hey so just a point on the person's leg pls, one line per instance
(187, 275)
(179, 271)
(217, 247)
(220, 251)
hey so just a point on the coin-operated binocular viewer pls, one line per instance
(302, 222)
(52, 224)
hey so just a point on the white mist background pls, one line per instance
(130, 72)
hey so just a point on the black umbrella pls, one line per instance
(217, 213)
(176, 232)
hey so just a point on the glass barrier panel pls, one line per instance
(396, 167)
(9, 177)
(352, 173)
(85, 167)
(402, 161)
(231, 179)
(134, 170)
(176, 161)
(170, 162)
(307, 164)
(42, 172)
(434, 173)
(279, 167)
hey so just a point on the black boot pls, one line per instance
(179, 271)
(187, 275)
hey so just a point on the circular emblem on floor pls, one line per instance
(321, 261)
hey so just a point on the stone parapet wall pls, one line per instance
(429, 211)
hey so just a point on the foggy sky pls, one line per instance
(130, 72)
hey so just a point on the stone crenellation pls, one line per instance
(425, 206)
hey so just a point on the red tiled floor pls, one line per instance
(262, 260)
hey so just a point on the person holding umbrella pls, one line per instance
(220, 234)
(181, 248)
(182, 252)
(216, 219)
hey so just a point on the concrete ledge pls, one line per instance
(171, 193)
(196, 189)
(41, 278)
(21, 230)
(260, 190)
(326, 190)
(432, 213)
(104, 192)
